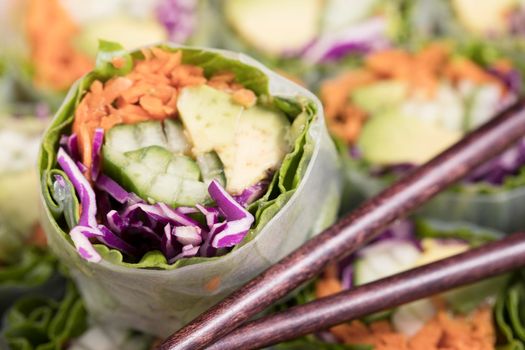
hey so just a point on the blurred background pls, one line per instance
(400, 80)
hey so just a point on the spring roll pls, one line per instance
(464, 318)
(172, 175)
(397, 109)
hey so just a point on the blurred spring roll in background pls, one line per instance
(465, 318)
(19, 184)
(492, 20)
(398, 109)
(487, 29)
(40, 321)
(294, 35)
(57, 39)
(26, 268)
(173, 175)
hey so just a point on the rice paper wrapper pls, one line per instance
(160, 301)
(502, 210)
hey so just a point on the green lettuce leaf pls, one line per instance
(34, 272)
(509, 314)
(44, 323)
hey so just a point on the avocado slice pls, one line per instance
(484, 17)
(380, 96)
(337, 17)
(275, 26)
(130, 32)
(393, 138)
(248, 141)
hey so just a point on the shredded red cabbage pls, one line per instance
(116, 191)
(70, 144)
(82, 244)
(123, 221)
(83, 188)
(167, 245)
(361, 38)
(517, 21)
(252, 193)
(179, 17)
(98, 140)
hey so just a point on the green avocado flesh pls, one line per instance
(173, 162)
(249, 141)
(393, 138)
(489, 17)
(275, 26)
(381, 96)
(390, 136)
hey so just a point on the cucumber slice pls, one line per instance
(176, 191)
(160, 160)
(184, 167)
(129, 137)
(137, 178)
(148, 159)
(211, 168)
(176, 138)
(384, 259)
(122, 138)
(151, 134)
(410, 318)
(153, 157)
(157, 175)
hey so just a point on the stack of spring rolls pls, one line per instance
(170, 175)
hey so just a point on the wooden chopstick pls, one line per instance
(477, 264)
(353, 230)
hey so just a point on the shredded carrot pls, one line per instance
(394, 63)
(462, 68)
(148, 92)
(212, 284)
(335, 92)
(443, 332)
(50, 33)
(117, 62)
(244, 97)
(503, 65)
(38, 238)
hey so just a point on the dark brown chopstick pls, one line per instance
(353, 230)
(472, 266)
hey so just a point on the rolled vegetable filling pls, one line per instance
(402, 108)
(459, 319)
(170, 158)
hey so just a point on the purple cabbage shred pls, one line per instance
(121, 220)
